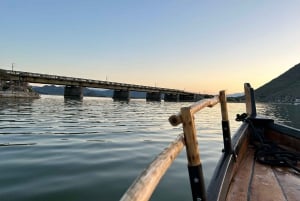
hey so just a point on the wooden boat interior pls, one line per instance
(261, 170)
(260, 162)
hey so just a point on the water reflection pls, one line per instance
(73, 101)
(8, 103)
(287, 114)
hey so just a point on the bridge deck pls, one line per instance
(63, 80)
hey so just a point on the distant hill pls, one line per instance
(284, 89)
(235, 95)
(49, 89)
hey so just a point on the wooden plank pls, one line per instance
(239, 186)
(265, 185)
(289, 182)
(143, 187)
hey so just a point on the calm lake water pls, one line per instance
(67, 150)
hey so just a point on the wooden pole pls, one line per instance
(204, 103)
(144, 185)
(250, 100)
(193, 156)
(223, 104)
(176, 119)
(225, 124)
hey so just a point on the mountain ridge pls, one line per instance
(285, 88)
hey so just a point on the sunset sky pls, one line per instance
(198, 46)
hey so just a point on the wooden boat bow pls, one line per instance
(238, 174)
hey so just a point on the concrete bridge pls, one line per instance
(74, 86)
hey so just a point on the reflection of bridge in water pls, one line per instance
(74, 86)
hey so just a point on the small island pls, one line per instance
(14, 89)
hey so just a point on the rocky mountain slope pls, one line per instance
(285, 88)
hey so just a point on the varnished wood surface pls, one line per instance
(190, 137)
(290, 183)
(254, 182)
(264, 185)
(239, 186)
(144, 185)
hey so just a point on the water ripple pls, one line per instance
(56, 149)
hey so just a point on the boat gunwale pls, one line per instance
(227, 166)
(285, 130)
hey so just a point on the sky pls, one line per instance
(197, 46)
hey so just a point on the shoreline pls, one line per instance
(18, 94)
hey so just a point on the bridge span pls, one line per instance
(74, 86)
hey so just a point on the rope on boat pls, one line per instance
(268, 152)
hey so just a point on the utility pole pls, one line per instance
(12, 66)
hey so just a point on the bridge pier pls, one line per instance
(121, 95)
(171, 97)
(187, 97)
(153, 96)
(74, 92)
(198, 97)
